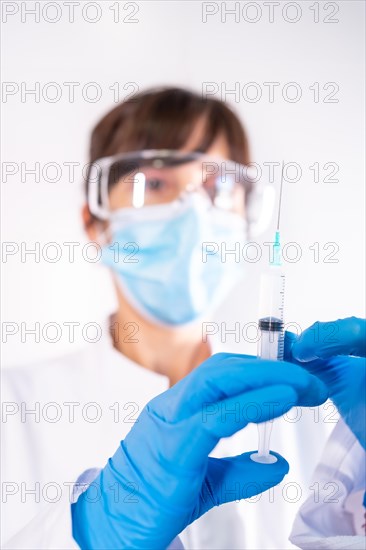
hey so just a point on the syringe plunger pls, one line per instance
(270, 345)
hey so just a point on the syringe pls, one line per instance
(271, 327)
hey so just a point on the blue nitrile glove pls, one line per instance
(335, 352)
(161, 479)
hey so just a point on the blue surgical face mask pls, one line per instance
(172, 261)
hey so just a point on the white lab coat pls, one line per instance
(46, 451)
(333, 515)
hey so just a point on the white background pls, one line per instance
(170, 44)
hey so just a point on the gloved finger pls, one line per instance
(225, 375)
(290, 339)
(236, 478)
(323, 340)
(224, 418)
(314, 367)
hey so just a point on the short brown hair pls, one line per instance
(163, 118)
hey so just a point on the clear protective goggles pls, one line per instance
(155, 177)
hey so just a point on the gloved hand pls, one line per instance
(335, 352)
(161, 479)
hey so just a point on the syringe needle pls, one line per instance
(280, 199)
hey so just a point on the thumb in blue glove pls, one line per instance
(165, 455)
(335, 352)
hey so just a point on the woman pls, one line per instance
(168, 193)
(168, 189)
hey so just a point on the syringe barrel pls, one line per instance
(272, 293)
(271, 303)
